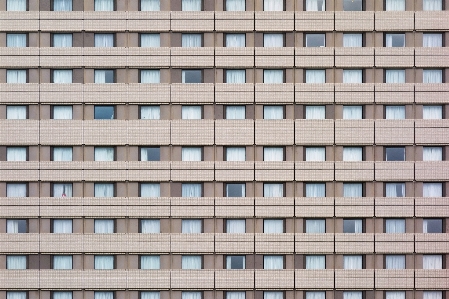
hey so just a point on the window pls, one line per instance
(235, 226)
(315, 226)
(432, 76)
(432, 226)
(150, 40)
(104, 76)
(273, 295)
(150, 154)
(315, 262)
(432, 40)
(150, 76)
(192, 40)
(431, 153)
(394, 5)
(16, 262)
(62, 112)
(432, 261)
(190, 262)
(150, 226)
(16, 154)
(62, 40)
(394, 40)
(394, 154)
(352, 295)
(16, 40)
(432, 112)
(104, 5)
(16, 226)
(353, 226)
(394, 76)
(103, 295)
(235, 190)
(62, 189)
(273, 262)
(352, 262)
(235, 295)
(394, 295)
(16, 112)
(315, 76)
(352, 190)
(192, 154)
(192, 76)
(352, 76)
(273, 154)
(315, 190)
(395, 261)
(315, 112)
(148, 262)
(432, 5)
(273, 226)
(235, 40)
(62, 154)
(352, 153)
(62, 226)
(150, 295)
(150, 5)
(235, 154)
(235, 76)
(62, 295)
(394, 189)
(395, 226)
(150, 190)
(273, 40)
(16, 190)
(273, 5)
(352, 112)
(104, 153)
(62, 262)
(235, 112)
(394, 112)
(16, 5)
(62, 5)
(16, 76)
(104, 226)
(352, 5)
(273, 76)
(315, 295)
(192, 190)
(315, 5)
(104, 112)
(352, 40)
(104, 262)
(104, 190)
(191, 5)
(315, 154)
(273, 190)
(432, 190)
(427, 295)
(315, 40)
(191, 295)
(235, 262)
(273, 112)
(191, 226)
(150, 112)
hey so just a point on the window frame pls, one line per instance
(27, 79)
(306, 34)
(395, 147)
(278, 219)
(114, 263)
(114, 111)
(225, 263)
(114, 188)
(149, 147)
(114, 225)
(18, 232)
(354, 219)
(23, 147)
(225, 189)
(143, 219)
(114, 8)
(52, 36)
(114, 155)
(201, 72)
(52, 261)
(274, 255)
(27, 8)
(386, 34)
(52, 158)
(19, 183)
(443, 225)
(52, 6)
(27, 39)
(363, 6)
(305, 225)
(27, 265)
(114, 76)
(283, 112)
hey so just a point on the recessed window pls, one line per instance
(273, 5)
(394, 295)
(150, 190)
(16, 112)
(273, 226)
(16, 5)
(315, 262)
(62, 5)
(432, 40)
(191, 226)
(352, 40)
(273, 76)
(104, 112)
(432, 112)
(352, 190)
(395, 261)
(235, 5)
(394, 40)
(104, 190)
(150, 112)
(104, 226)
(16, 226)
(150, 5)
(62, 226)
(104, 5)
(235, 190)
(432, 5)
(150, 262)
(235, 40)
(315, 226)
(394, 76)
(16, 262)
(395, 226)
(352, 76)
(16, 154)
(432, 76)
(394, 5)
(273, 295)
(394, 189)
(191, 5)
(150, 226)
(191, 112)
(62, 112)
(62, 190)
(191, 295)
(103, 295)
(273, 112)
(62, 295)
(150, 76)
(394, 154)
(104, 76)
(104, 262)
(235, 76)
(235, 226)
(352, 295)
(432, 226)
(315, 154)
(432, 190)
(191, 154)
(273, 190)
(315, 112)
(62, 76)
(235, 154)
(191, 40)
(16, 40)
(315, 76)
(192, 76)
(353, 226)
(352, 262)
(16, 190)
(432, 153)
(394, 112)
(235, 262)
(62, 40)
(352, 153)
(192, 190)
(104, 153)
(352, 5)
(62, 262)
(352, 112)
(271, 40)
(235, 112)
(315, 295)
(432, 261)
(315, 5)
(16, 76)
(150, 154)
(315, 190)
(273, 262)
(62, 154)
(315, 40)
(150, 40)
(273, 154)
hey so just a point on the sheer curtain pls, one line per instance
(16, 154)
(104, 5)
(150, 76)
(150, 226)
(315, 5)
(62, 112)
(273, 5)
(273, 295)
(16, 76)
(432, 4)
(315, 112)
(235, 154)
(315, 190)
(352, 190)
(191, 40)
(395, 226)
(315, 295)
(432, 153)
(235, 40)
(191, 112)
(150, 112)
(104, 154)
(150, 5)
(394, 5)
(191, 190)
(103, 295)
(394, 295)
(432, 40)
(352, 154)
(62, 76)
(432, 112)
(315, 154)
(273, 226)
(16, 112)
(148, 262)
(432, 190)
(104, 226)
(395, 76)
(191, 295)
(352, 112)
(150, 295)
(235, 295)
(191, 262)
(103, 76)
(16, 262)
(235, 5)
(62, 154)
(17, 40)
(394, 189)
(191, 5)
(395, 112)
(235, 226)
(273, 262)
(62, 5)
(273, 112)
(432, 262)
(235, 76)
(432, 295)
(315, 76)
(315, 262)
(62, 40)
(353, 226)
(104, 262)
(235, 112)
(16, 190)
(273, 76)
(315, 226)
(395, 262)
(273, 154)
(191, 154)
(150, 40)
(395, 40)
(352, 262)
(62, 262)
(273, 40)
(273, 190)
(352, 295)
(432, 76)
(191, 226)
(150, 190)
(62, 190)
(352, 76)
(62, 295)
(105, 40)
(62, 226)
(432, 226)
(104, 190)
(235, 190)
(352, 40)
(16, 226)
(16, 5)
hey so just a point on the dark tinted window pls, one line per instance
(352, 5)
(235, 262)
(192, 76)
(235, 190)
(104, 112)
(434, 225)
(395, 154)
(150, 154)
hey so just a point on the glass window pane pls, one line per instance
(191, 190)
(16, 154)
(16, 112)
(395, 76)
(432, 153)
(62, 5)
(192, 76)
(104, 226)
(432, 261)
(148, 262)
(62, 40)
(273, 295)
(17, 40)
(394, 295)
(315, 40)
(273, 262)
(16, 262)
(273, 112)
(150, 190)
(352, 5)
(191, 112)
(394, 189)
(16, 226)
(315, 190)
(353, 226)
(352, 189)
(352, 262)
(16, 5)
(191, 154)
(432, 76)
(315, 5)
(104, 262)
(432, 226)
(273, 40)
(150, 112)
(432, 112)
(432, 190)
(352, 76)
(150, 76)
(235, 76)
(273, 190)
(191, 226)
(62, 226)
(352, 154)
(150, 226)
(62, 262)
(104, 5)
(191, 40)
(150, 5)
(315, 76)
(191, 295)
(191, 262)
(395, 226)
(16, 76)
(315, 226)
(235, 5)
(235, 190)
(191, 5)
(352, 295)
(150, 40)
(394, 154)
(235, 112)
(62, 295)
(62, 112)
(273, 76)
(395, 262)
(315, 154)
(432, 40)
(395, 112)
(273, 5)
(236, 40)
(150, 154)
(104, 190)
(315, 295)
(432, 5)
(352, 40)
(235, 262)
(62, 154)
(104, 154)
(395, 40)
(16, 190)
(104, 76)
(273, 226)
(235, 226)
(315, 112)
(62, 190)
(273, 154)
(104, 112)
(395, 5)
(315, 262)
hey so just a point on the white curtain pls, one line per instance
(235, 5)
(432, 190)
(104, 226)
(150, 190)
(192, 76)
(191, 262)
(104, 154)
(273, 226)
(315, 76)
(16, 226)
(191, 190)
(315, 5)
(315, 190)
(352, 154)
(16, 76)
(432, 40)
(235, 295)
(395, 76)
(191, 5)
(315, 226)
(62, 112)
(62, 262)
(432, 112)
(273, 190)
(352, 190)
(104, 76)
(353, 226)
(395, 226)
(315, 262)
(395, 262)
(16, 112)
(105, 295)
(352, 262)
(273, 154)
(150, 295)
(235, 190)
(191, 226)
(17, 40)
(16, 154)
(16, 190)
(191, 295)
(315, 112)
(16, 5)
(150, 5)
(273, 76)
(62, 226)
(352, 112)
(104, 5)
(273, 295)
(235, 112)
(273, 5)
(191, 112)
(273, 262)
(395, 112)
(191, 154)
(104, 40)
(395, 40)
(235, 40)
(394, 5)
(190, 40)
(104, 190)
(150, 112)
(62, 190)
(430, 295)
(394, 295)
(104, 262)
(432, 76)
(148, 262)
(273, 112)
(430, 226)
(235, 154)
(62, 5)
(62, 154)
(16, 262)
(432, 262)
(432, 4)
(432, 153)
(235, 76)
(315, 295)
(150, 226)
(352, 295)
(352, 40)
(150, 76)
(62, 40)
(273, 40)
(394, 189)
(235, 226)
(352, 76)
(315, 154)
(62, 295)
